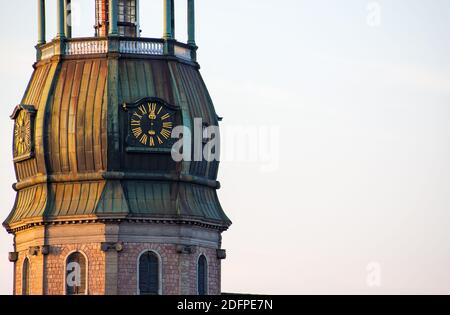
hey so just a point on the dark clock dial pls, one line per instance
(151, 124)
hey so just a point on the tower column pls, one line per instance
(191, 22)
(68, 18)
(60, 29)
(113, 30)
(169, 19)
(41, 22)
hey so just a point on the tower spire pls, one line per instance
(106, 207)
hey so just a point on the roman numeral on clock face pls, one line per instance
(137, 132)
(143, 110)
(143, 139)
(168, 125)
(135, 122)
(165, 133)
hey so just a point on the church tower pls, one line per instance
(102, 205)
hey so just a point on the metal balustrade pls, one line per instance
(126, 45)
(86, 47)
(142, 47)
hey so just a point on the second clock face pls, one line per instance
(151, 124)
(22, 134)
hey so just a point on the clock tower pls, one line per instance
(102, 206)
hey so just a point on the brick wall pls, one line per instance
(179, 271)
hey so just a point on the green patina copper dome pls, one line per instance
(79, 168)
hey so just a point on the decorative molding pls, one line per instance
(13, 256)
(34, 250)
(185, 249)
(45, 250)
(107, 246)
(44, 179)
(17, 227)
(127, 106)
(221, 254)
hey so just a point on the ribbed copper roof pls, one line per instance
(80, 136)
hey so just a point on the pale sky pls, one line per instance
(352, 112)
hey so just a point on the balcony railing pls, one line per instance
(122, 45)
(86, 47)
(142, 47)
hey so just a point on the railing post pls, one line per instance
(169, 19)
(60, 20)
(41, 22)
(191, 22)
(68, 18)
(113, 29)
(169, 27)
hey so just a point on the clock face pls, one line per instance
(151, 124)
(22, 134)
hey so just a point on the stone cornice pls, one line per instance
(24, 225)
(41, 179)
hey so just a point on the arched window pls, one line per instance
(202, 276)
(76, 274)
(26, 277)
(149, 274)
